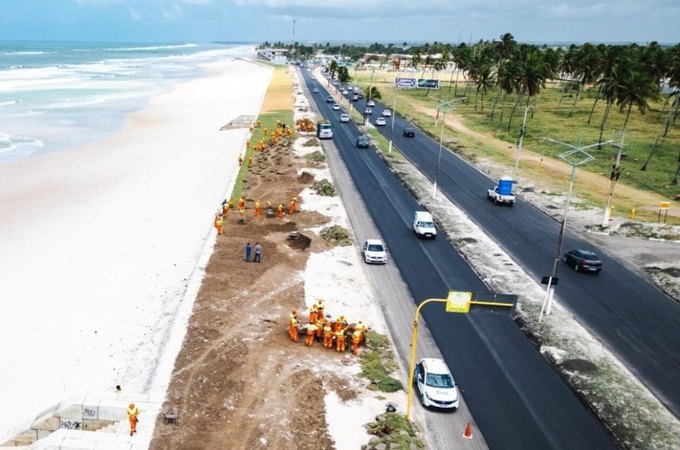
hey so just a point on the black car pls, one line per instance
(329, 99)
(362, 142)
(583, 261)
(409, 132)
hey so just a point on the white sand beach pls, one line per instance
(97, 242)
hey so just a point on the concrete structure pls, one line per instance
(275, 55)
(87, 422)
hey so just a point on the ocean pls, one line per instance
(57, 95)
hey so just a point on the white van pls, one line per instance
(423, 225)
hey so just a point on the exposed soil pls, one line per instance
(239, 382)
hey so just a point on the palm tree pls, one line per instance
(333, 67)
(532, 72)
(634, 89)
(416, 59)
(506, 80)
(611, 55)
(461, 57)
(673, 76)
(585, 65)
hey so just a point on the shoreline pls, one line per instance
(99, 240)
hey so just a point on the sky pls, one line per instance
(321, 21)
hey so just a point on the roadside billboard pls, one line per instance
(405, 82)
(430, 84)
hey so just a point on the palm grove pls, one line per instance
(577, 87)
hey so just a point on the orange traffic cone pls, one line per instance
(468, 431)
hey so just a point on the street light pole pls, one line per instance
(448, 104)
(439, 157)
(368, 96)
(577, 156)
(519, 144)
(394, 112)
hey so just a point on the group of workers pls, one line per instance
(228, 205)
(280, 130)
(321, 327)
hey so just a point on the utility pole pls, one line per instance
(614, 177)
(519, 143)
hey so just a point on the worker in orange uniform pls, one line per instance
(218, 223)
(240, 159)
(258, 212)
(312, 313)
(225, 208)
(356, 338)
(250, 161)
(291, 207)
(247, 143)
(279, 211)
(327, 335)
(340, 340)
(242, 215)
(133, 416)
(361, 328)
(320, 309)
(230, 203)
(241, 202)
(293, 331)
(340, 323)
(311, 330)
(265, 131)
(319, 327)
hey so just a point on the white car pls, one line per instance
(370, 103)
(380, 121)
(344, 117)
(374, 252)
(336, 107)
(386, 113)
(435, 384)
(345, 92)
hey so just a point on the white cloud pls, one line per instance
(171, 13)
(135, 15)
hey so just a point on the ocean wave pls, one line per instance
(149, 48)
(17, 147)
(9, 102)
(24, 53)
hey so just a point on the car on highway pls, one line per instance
(345, 92)
(368, 111)
(344, 117)
(336, 107)
(329, 99)
(386, 113)
(435, 384)
(362, 142)
(373, 252)
(355, 98)
(409, 132)
(423, 225)
(583, 261)
(380, 121)
(315, 90)
(370, 103)
(360, 95)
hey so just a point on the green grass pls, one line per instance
(550, 120)
(267, 120)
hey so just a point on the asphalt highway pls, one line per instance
(516, 398)
(634, 319)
